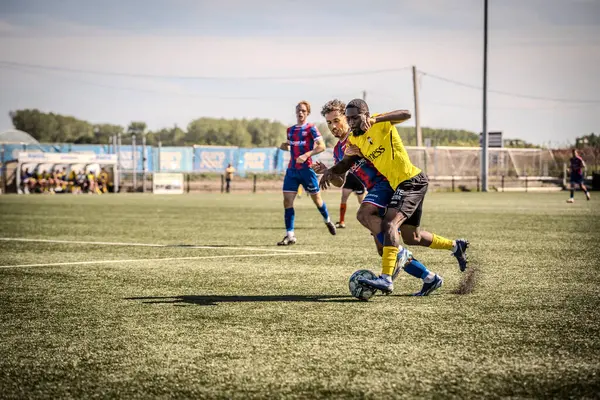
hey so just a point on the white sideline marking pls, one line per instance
(159, 245)
(149, 259)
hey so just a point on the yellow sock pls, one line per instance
(440, 243)
(388, 260)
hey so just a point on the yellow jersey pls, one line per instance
(229, 172)
(382, 145)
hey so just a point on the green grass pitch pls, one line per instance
(221, 312)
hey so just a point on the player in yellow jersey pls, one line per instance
(376, 139)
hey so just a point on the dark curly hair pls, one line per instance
(333, 105)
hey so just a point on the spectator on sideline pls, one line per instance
(228, 177)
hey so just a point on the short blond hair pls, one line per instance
(306, 103)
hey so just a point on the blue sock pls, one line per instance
(289, 219)
(416, 269)
(323, 211)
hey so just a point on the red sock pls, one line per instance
(342, 212)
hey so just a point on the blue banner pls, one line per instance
(173, 159)
(214, 159)
(126, 158)
(257, 160)
(282, 159)
(180, 159)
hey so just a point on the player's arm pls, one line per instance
(338, 169)
(318, 144)
(285, 146)
(344, 165)
(318, 147)
(394, 117)
(338, 180)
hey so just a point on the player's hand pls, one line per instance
(319, 167)
(285, 146)
(302, 158)
(366, 122)
(325, 181)
(352, 150)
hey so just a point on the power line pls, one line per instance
(199, 77)
(523, 96)
(142, 90)
(478, 107)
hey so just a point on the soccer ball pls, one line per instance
(358, 290)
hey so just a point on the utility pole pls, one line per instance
(484, 134)
(144, 162)
(364, 95)
(416, 96)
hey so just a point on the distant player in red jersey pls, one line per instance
(576, 166)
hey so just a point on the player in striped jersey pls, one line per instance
(576, 166)
(379, 191)
(333, 112)
(303, 141)
(376, 139)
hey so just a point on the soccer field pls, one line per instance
(143, 296)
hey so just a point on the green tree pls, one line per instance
(103, 132)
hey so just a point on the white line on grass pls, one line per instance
(153, 259)
(160, 245)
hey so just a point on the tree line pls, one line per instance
(56, 128)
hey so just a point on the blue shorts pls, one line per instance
(305, 177)
(577, 179)
(380, 194)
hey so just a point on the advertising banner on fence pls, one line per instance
(174, 159)
(260, 160)
(282, 159)
(167, 183)
(126, 158)
(214, 159)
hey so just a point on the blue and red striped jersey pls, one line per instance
(301, 139)
(576, 165)
(363, 169)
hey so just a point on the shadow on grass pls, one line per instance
(241, 246)
(213, 300)
(280, 228)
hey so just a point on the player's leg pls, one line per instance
(572, 189)
(404, 203)
(392, 220)
(369, 216)
(372, 209)
(351, 184)
(360, 196)
(584, 188)
(290, 188)
(343, 206)
(413, 235)
(311, 185)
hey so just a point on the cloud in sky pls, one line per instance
(541, 48)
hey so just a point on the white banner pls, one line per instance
(167, 183)
(66, 158)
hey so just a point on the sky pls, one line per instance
(168, 62)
